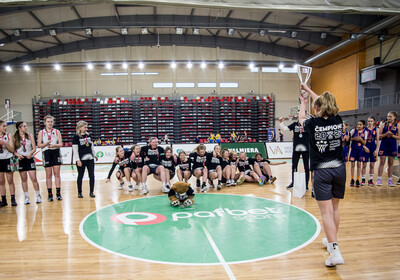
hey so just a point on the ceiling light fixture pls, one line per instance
(262, 32)
(125, 65)
(173, 65)
(196, 31)
(89, 66)
(293, 34)
(221, 65)
(141, 65)
(16, 33)
(52, 32)
(8, 68)
(57, 67)
(88, 31)
(231, 31)
(124, 31)
(179, 31)
(203, 65)
(27, 68)
(145, 31)
(108, 65)
(323, 35)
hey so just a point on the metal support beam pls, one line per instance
(24, 47)
(265, 17)
(76, 13)
(37, 19)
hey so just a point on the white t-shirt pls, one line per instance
(4, 153)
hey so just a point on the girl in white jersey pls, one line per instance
(50, 141)
(25, 148)
(6, 150)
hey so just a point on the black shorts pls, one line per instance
(153, 168)
(329, 183)
(5, 165)
(52, 158)
(171, 173)
(26, 164)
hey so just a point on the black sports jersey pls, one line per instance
(121, 162)
(84, 143)
(301, 138)
(154, 155)
(224, 162)
(190, 192)
(233, 162)
(244, 165)
(198, 161)
(325, 146)
(137, 162)
(213, 162)
(168, 163)
(261, 162)
(184, 166)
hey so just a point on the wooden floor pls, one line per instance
(43, 241)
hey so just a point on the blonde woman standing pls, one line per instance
(6, 153)
(84, 153)
(25, 147)
(50, 141)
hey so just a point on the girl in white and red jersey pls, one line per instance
(6, 170)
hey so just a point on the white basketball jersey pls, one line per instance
(49, 136)
(4, 153)
(26, 147)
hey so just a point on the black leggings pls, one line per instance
(306, 162)
(81, 171)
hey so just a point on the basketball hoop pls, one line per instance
(304, 73)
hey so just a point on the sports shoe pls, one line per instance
(80, 195)
(379, 182)
(370, 183)
(357, 183)
(144, 190)
(205, 188)
(58, 196)
(398, 182)
(130, 188)
(363, 182)
(290, 186)
(165, 189)
(121, 185)
(335, 257)
(211, 184)
(50, 198)
(228, 183)
(273, 179)
(136, 187)
(325, 242)
(197, 183)
(352, 183)
(240, 181)
(219, 186)
(13, 202)
(261, 180)
(38, 198)
(390, 182)
(91, 194)
(233, 183)
(27, 201)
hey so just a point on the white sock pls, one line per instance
(143, 184)
(26, 194)
(164, 184)
(363, 177)
(389, 178)
(379, 178)
(371, 177)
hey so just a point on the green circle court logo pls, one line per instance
(218, 229)
(99, 154)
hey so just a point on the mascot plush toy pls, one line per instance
(181, 194)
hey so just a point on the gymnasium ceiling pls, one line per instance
(37, 29)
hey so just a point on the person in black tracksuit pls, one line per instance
(137, 162)
(301, 143)
(168, 161)
(199, 160)
(82, 146)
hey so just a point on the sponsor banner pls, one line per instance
(105, 154)
(279, 149)
(249, 148)
(66, 154)
(189, 148)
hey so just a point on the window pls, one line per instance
(207, 85)
(163, 85)
(185, 85)
(229, 85)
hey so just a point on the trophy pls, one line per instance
(304, 73)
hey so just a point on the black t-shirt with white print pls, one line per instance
(213, 162)
(84, 143)
(325, 141)
(301, 138)
(244, 165)
(199, 161)
(168, 163)
(154, 155)
(184, 166)
(137, 162)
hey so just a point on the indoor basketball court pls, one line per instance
(219, 75)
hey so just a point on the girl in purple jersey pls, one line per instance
(345, 141)
(370, 152)
(388, 134)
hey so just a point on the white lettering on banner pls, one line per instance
(279, 149)
(254, 213)
(189, 148)
(246, 150)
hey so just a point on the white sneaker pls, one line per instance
(130, 188)
(165, 189)
(325, 242)
(205, 188)
(121, 186)
(27, 200)
(335, 257)
(136, 186)
(38, 198)
(144, 190)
